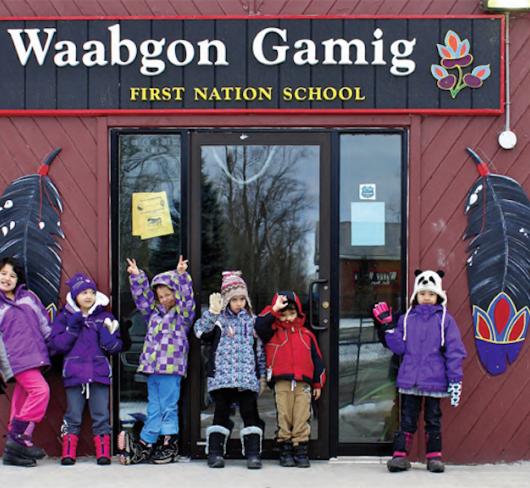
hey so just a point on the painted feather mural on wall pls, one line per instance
(498, 267)
(30, 210)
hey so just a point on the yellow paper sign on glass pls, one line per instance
(150, 215)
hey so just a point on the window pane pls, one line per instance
(147, 163)
(260, 211)
(370, 271)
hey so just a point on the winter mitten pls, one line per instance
(111, 325)
(216, 303)
(455, 390)
(383, 314)
(75, 322)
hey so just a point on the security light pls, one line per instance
(506, 5)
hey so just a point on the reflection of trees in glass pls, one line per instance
(148, 163)
(265, 223)
(212, 238)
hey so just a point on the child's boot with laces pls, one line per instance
(131, 451)
(166, 450)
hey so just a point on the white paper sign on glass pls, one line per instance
(367, 223)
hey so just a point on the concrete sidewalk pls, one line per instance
(337, 473)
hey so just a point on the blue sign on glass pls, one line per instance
(368, 223)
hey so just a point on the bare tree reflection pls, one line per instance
(267, 222)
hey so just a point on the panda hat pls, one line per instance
(428, 281)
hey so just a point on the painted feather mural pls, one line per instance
(30, 210)
(498, 267)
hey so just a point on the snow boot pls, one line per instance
(251, 446)
(400, 461)
(102, 445)
(166, 450)
(286, 455)
(11, 459)
(435, 465)
(433, 444)
(216, 439)
(301, 459)
(69, 452)
(132, 451)
(19, 440)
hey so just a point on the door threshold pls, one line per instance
(358, 460)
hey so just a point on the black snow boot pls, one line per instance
(11, 459)
(300, 456)
(19, 442)
(166, 450)
(132, 451)
(433, 443)
(400, 460)
(216, 439)
(251, 446)
(286, 455)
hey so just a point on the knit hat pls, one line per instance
(232, 286)
(429, 281)
(80, 282)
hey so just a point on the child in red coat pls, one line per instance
(294, 368)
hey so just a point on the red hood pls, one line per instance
(292, 296)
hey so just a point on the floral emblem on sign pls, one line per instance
(456, 56)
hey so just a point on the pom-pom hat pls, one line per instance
(232, 286)
(80, 282)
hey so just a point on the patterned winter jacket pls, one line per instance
(237, 358)
(24, 328)
(166, 345)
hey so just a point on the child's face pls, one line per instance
(8, 279)
(427, 298)
(237, 303)
(86, 299)
(166, 297)
(288, 315)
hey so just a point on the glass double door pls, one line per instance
(318, 212)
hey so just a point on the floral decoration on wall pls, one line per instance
(455, 56)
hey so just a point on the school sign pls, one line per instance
(103, 65)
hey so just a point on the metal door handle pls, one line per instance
(320, 281)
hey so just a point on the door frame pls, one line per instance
(328, 444)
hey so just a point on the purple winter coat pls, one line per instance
(24, 328)
(85, 342)
(426, 365)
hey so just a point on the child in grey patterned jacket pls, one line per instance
(164, 360)
(236, 369)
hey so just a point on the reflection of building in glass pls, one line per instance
(369, 273)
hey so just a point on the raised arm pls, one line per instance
(143, 296)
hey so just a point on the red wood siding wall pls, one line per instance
(493, 421)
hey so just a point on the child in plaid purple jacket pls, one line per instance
(169, 308)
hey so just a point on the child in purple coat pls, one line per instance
(428, 340)
(24, 328)
(86, 334)
(168, 307)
